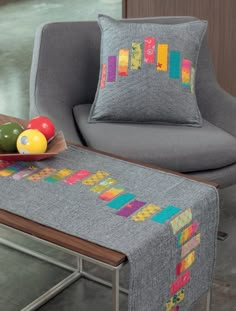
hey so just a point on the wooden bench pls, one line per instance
(82, 249)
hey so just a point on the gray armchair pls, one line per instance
(63, 83)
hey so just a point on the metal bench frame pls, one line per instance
(76, 272)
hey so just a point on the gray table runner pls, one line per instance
(165, 224)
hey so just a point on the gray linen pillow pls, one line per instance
(147, 72)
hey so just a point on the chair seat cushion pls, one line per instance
(180, 148)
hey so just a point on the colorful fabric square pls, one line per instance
(104, 185)
(111, 193)
(190, 245)
(121, 200)
(12, 169)
(81, 174)
(162, 57)
(165, 214)
(130, 208)
(175, 300)
(41, 174)
(186, 234)
(146, 212)
(192, 83)
(95, 178)
(123, 62)
(175, 61)
(4, 164)
(25, 172)
(64, 172)
(185, 263)
(103, 76)
(136, 55)
(180, 282)
(111, 75)
(149, 49)
(186, 72)
(182, 220)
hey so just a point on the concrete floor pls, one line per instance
(18, 22)
(23, 278)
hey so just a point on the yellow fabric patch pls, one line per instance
(7, 172)
(123, 62)
(146, 212)
(111, 193)
(62, 173)
(41, 174)
(162, 57)
(185, 263)
(136, 55)
(104, 185)
(180, 221)
(95, 178)
(175, 300)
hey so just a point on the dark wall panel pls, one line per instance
(221, 15)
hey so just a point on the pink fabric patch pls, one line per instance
(103, 76)
(149, 49)
(4, 164)
(180, 282)
(77, 177)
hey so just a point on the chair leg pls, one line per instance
(208, 300)
(221, 236)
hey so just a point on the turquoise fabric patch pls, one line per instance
(174, 65)
(121, 200)
(165, 214)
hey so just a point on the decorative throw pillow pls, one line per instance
(147, 72)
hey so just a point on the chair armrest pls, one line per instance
(64, 72)
(216, 105)
(221, 107)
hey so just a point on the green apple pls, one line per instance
(9, 133)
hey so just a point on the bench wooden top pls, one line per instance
(65, 240)
(68, 241)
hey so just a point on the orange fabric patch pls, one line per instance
(123, 62)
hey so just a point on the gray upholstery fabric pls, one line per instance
(182, 149)
(64, 74)
(145, 94)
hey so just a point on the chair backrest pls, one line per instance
(66, 62)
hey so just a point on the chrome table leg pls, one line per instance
(115, 290)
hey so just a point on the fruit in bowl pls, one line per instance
(9, 133)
